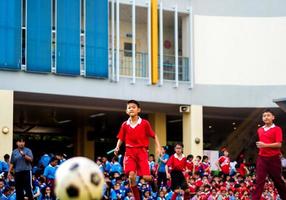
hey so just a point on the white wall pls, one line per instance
(142, 37)
(240, 50)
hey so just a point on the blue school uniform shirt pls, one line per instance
(169, 195)
(107, 166)
(116, 167)
(3, 197)
(114, 194)
(50, 172)
(162, 164)
(44, 160)
(151, 165)
(5, 166)
(12, 196)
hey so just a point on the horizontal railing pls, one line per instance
(169, 66)
(141, 65)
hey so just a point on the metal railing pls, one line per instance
(169, 67)
(142, 66)
(126, 64)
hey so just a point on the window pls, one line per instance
(128, 49)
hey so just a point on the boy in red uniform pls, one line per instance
(135, 132)
(268, 161)
(223, 163)
(198, 167)
(206, 166)
(177, 163)
(189, 166)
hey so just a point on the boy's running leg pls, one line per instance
(133, 185)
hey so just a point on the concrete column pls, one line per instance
(158, 123)
(84, 143)
(6, 122)
(193, 130)
(79, 142)
(88, 147)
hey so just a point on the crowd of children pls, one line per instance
(199, 182)
(43, 178)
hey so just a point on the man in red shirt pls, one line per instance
(135, 133)
(268, 161)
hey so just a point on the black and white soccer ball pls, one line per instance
(79, 178)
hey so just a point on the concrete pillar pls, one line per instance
(6, 122)
(79, 142)
(193, 130)
(158, 123)
(88, 148)
(84, 142)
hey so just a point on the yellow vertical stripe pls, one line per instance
(154, 41)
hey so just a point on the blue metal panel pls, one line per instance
(10, 34)
(97, 38)
(68, 37)
(39, 35)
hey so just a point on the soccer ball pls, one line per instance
(79, 179)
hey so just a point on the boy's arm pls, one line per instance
(117, 148)
(28, 156)
(247, 171)
(275, 145)
(163, 160)
(167, 172)
(10, 171)
(158, 146)
(218, 165)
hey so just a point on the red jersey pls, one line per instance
(198, 167)
(190, 165)
(272, 134)
(137, 135)
(241, 170)
(199, 182)
(192, 188)
(203, 196)
(177, 164)
(206, 167)
(224, 163)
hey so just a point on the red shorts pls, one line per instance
(136, 159)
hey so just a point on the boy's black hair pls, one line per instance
(6, 156)
(197, 173)
(165, 148)
(115, 158)
(190, 156)
(21, 138)
(268, 111)
(11, 183)
(134, 101)
(53, 159)
(200, 157)
(205, 157)
(179, 144)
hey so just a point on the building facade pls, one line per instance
(95, 55)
